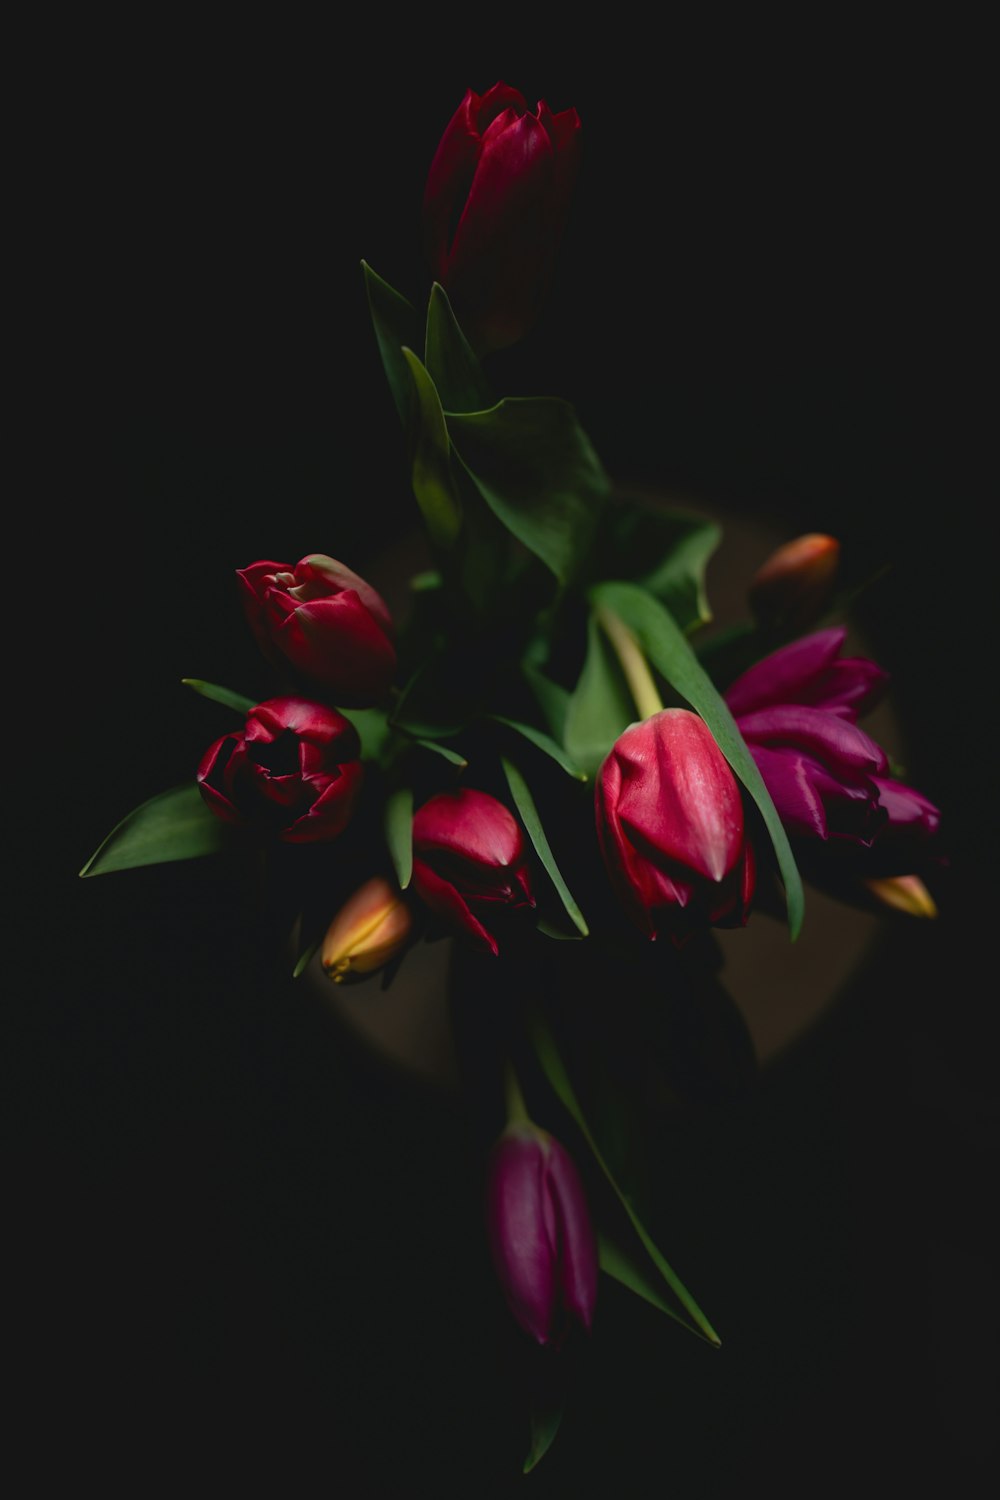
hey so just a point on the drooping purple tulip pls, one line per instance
(541, 1235)
(671, 829)
(797, 710)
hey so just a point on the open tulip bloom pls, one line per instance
(607, 780)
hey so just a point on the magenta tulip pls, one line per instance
(797, 710)
(292, 772)
(495, 206)
(326, 622)
(671, 829)
(541, 1236)
(469, 862)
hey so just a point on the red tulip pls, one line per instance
(495, 206)
(326, 621)
(293, 771)
(670, 825)
(541, 1236)
(469, 862)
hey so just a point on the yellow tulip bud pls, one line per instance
(904, 893)
(370, 928)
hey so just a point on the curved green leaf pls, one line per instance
(544, 1426)
(239, 701)
(533, 823)
(666, 553)
(396, 324)
(600, 706)
(174, 825)
(555, 1071)
(534, 466)
(432, 479)
(450, 359)
(670, 653)
(544, 743)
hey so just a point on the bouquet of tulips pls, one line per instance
(544, 755)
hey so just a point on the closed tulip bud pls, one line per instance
(795, 584)
(541, 1236)
(671, 830)
(469, 862)
(905, 893)
(495, 205)
(293, 771)
(325, 621)
(369, 930)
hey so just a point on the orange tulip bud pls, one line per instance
(904, 893)
(371, 928)
(794, 585)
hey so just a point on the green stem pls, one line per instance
(517, 1110)
(633, 663)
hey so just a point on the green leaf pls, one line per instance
(398, 825)
(545, 743)
(670, 653)
(600, 706)
(552, 698)
(555, 1071)
(443, 750)
(544, 1426)
(396, 325)
(239, 701)
(304, 959)
(433, 482)
(176, 824)
(666, 553)
(450, 360)
(614, 1262)
(373, 730)
(535, 468)
(533, 823)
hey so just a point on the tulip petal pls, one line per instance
(442, 897)
(471, 825)
(839, 744)
(520, 1227)
(577, 1243)
(785, 674)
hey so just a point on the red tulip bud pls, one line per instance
(326, 621)
(670, 824)
(469, 861)
(495, 205)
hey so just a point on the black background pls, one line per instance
(245, 1255)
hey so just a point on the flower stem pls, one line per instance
(633, 663)
(517, 1110)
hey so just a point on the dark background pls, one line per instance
(242, 1250)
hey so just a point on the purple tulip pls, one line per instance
(541, 1236)
(326, 621)
(495, 205)
(670, 826)
(293, 771)
(797, 710)
(469, 862)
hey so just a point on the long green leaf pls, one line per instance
(533, 823)
(555, 1070)
(432, 479)
(224, 695)
(373, 730)
(536, 469)
(545, 743)
(398, 824)
(666, 553)
(669, 651)
(614, 1262)
(396, 324)
(173, 825)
